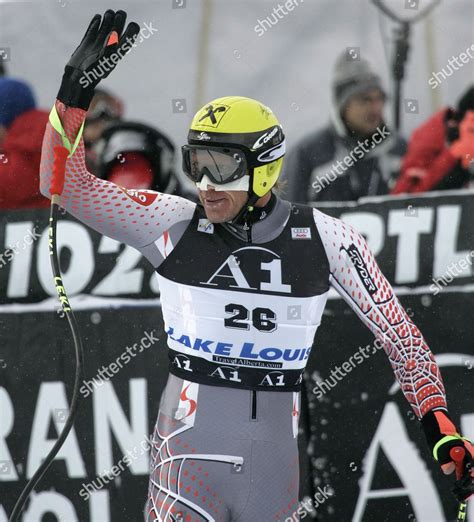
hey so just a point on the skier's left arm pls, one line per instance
(356, 276)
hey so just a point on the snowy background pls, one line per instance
(209, 48)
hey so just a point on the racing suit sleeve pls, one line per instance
(135, 217)
(356, 276)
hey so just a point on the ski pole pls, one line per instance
(457, 454)
(57, 184)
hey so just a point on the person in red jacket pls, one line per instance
(441, 152)
(22, 128)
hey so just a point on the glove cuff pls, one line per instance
(437, 425)
(76, 89)
(445, 440)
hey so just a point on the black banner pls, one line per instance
(367, 446)
(368, 458)
(120, 398)
(91, 264)
(420, 241)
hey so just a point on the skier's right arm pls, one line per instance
(137, 218)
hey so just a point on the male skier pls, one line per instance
(232, 272)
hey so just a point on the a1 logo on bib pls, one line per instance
(300, 233)
(250, 268)
(205, 226)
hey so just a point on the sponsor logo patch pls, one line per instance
(265, 138)
(272, 154)
(142, 197)
(300, 233)
(240, 354)
(205, 226)
(164, 244)
(187, 406)
(211, 116)
(361, 268)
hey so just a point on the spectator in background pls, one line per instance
(130, 154)
(441, 151)
(137, 156)
(356, 155)
(2, 66)
(22, 129)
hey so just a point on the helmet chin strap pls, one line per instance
(247, 208)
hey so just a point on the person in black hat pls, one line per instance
(355, 155)
(441, 151)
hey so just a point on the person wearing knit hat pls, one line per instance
(16, 97)
(358, 96)
(355, 155)
(353, 77)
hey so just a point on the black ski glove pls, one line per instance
(103, 45)
(443, 438)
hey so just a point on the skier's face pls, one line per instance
(222, 206)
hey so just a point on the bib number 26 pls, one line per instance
(263, 319)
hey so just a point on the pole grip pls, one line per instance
(59, 169)
(457, 454)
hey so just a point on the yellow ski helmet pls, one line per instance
(246, 135)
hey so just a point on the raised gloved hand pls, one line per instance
(103, 45)
(452, 451)
(463, 147)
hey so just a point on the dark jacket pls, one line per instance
(314, 174)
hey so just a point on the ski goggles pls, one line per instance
(220, 165)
